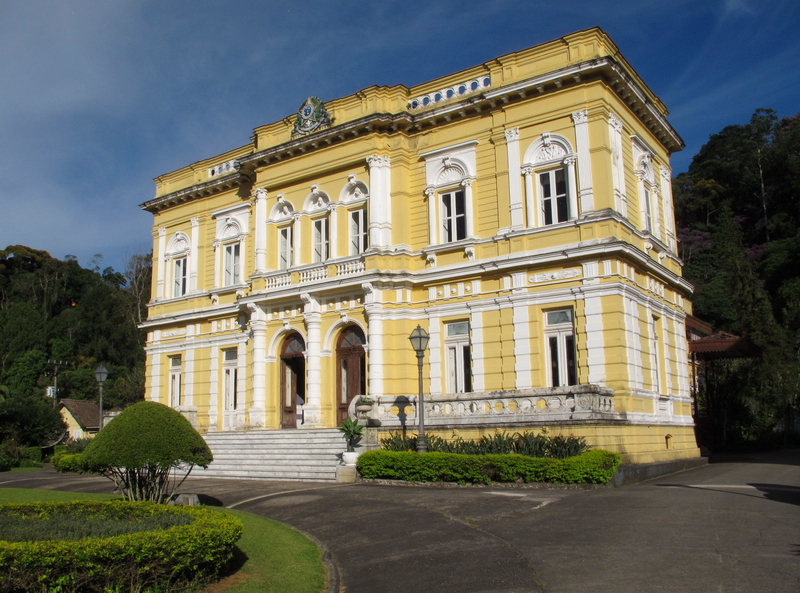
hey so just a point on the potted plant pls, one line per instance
(364, 404)
(352, 433)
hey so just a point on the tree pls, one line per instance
(30, 421)
(142, 448)
(738, 213)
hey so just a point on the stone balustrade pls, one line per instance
(512, 408)
(313, 274)
(279, 280)
(350, 267)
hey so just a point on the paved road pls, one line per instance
(725, 527)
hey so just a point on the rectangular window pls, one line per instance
(555, 202)
(458, 357)
(180, 269)
(285, 248)
(231, 270)
(648, 213)
(454, 216)
(656, 355)
(358, 231)
(175, 381)
(321, 242)
(230, 373)
(560, 348)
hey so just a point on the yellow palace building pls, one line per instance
(519, 211)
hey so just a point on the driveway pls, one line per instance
(724, 527)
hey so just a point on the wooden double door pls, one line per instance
(351, 375)
(351, 371)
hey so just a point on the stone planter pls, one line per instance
(349, 457)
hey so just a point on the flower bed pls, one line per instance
(172, 559)
(593, 467)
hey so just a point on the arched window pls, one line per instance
(550, 187)
(177, 264)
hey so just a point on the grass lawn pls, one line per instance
(276, 558)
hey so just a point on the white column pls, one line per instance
(586, 192)
(160, 263)
(478, 353)
(514, 186)
(260, 230)
(467, 185)
(156, 370)
(312, 409)
(669, 211)
(573, 196)
(375, 315)
(435, 355)
(380, 201)
(296, 240)
(333, 229)
(194, 254)
(530, 198)
(595, 357)
(617, 164)
(522, 346)
(258, 325)
(433, 227)
(213, 390)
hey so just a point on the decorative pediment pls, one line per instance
(355, 191)
(282, 210)
(178, 244)
(548, 148)
(316, 200)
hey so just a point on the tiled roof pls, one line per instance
(87, 413)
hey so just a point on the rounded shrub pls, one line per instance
(141, 448)
(174, 559)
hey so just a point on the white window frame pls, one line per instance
(554, 200)
(546, 155)
(450, 217)
(231, 272)
(458, 357)
(230, 379)
(321, 246)
(180, 276)
(359, 231)
(560, 347)
(175, 381)
(286, 247)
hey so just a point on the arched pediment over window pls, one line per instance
(282, 210)
(316, 200)
(452, 171)
(178, 244)
(230, 230)
(548, 148)
(354, 191)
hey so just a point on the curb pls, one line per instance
(633, 474)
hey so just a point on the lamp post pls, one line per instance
(419, 342)
(101, 374)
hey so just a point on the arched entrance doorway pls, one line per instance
(293, 381)
(351, 373)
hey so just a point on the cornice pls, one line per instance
(612, 72)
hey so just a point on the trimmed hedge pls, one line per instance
(593, 467)
(174, 559)
(70, 463)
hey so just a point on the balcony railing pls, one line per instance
(513, 408)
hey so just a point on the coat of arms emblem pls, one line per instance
(311, 116)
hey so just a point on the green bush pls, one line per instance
(594, 467)
(78, 445)
(533, 445)
(70, 463)
(178, 558)
(142, 448)
(5, 463)
(33, 454)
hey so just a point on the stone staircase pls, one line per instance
(308, 455)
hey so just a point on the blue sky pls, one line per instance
(98, 97)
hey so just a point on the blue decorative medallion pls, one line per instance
(311, 117)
